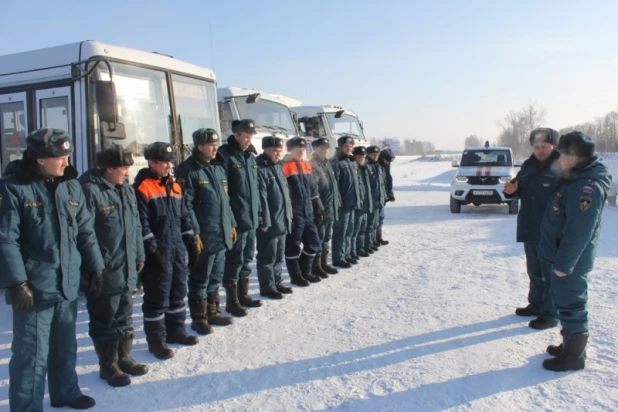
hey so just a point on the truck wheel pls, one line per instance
(455, 205)
(514, 207)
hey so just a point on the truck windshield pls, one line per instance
(266, 114)
(487, 157)
(346, 124)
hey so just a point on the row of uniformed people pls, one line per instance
(57, 232)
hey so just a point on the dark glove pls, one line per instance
(159, 261)
(95, 283)
(22, 297)
(318, 215)
(193, 254)
(139, 266)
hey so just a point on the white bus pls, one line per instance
(101, 93)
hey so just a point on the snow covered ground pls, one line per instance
(426, 324)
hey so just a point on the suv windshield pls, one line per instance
(266, 114)
(346, 124)
(487, 157)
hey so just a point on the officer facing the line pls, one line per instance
(46, 238)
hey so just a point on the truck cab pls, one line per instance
(270, 112)
(331, 122)
(481, 175)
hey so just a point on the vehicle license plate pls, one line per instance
(482, 192)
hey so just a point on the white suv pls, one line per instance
(481, 177)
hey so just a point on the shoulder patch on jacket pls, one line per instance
(556, 209)
(584, 203)
(181, 182)
(588, 189)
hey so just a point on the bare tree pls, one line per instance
(473, 141)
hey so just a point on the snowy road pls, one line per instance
(426, 324)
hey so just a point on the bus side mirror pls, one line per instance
(295, 120)
(108, 116)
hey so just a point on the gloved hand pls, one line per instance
(234, 235)
(139, 265)
(22, 297)
(200, 245)
(318, 215)
(95, 283)
(193, 254)
(159, 261)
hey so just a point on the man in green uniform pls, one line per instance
(377, 181)
(47, 245)
(113, 205)
(360, 218)
(534, 185)
(569, 238)
(275, 219)
(331, 200)
(204, 181)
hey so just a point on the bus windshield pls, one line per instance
(266, 114)
(346, 124)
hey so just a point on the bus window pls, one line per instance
(12, 131)
(143, 105)
(54, 113)
(196, 105)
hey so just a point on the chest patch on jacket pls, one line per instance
(73, 203)
(107, 208)
(236, 165)
(584, 203)
(204, 182)
(556, 209)
(559, 195)
(33, 204)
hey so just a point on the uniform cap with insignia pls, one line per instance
(296, 142)
(387, 154)
(114, 156)
(544, 135)
(244, 126)
(321, 142)
(577, 144)
(272, 141)
(205, 136)
(359, 151)
(345, 139)
(373, 149)
(46, 143)
(160, 151)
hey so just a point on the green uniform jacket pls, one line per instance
(536, 185)
(276, 206)
(46, 235)
(327, 187)
(118, 229)
(365, 189)
(206, 197)
(243, 185)
(572, 220)
(377, 183)
(346, 173)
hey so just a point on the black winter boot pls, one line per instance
(286, 290)
(160, 350)
(243, 295)
(215, 317)
(362, 253)
(82, 402)
(108, 364)
(125, 362)
(311, 278)
(369, 249)
(379, 237)
(352, 261)
(298, 280)
(232, 305)
(541, 323)
(376, 243)
(182, 338)
(573, 357)
(317, 267)
(324, 263)
(527, 311)
(272, 294)
(555, 350)
(199, 321)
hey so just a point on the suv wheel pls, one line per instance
(514, 207)
(455, 205)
